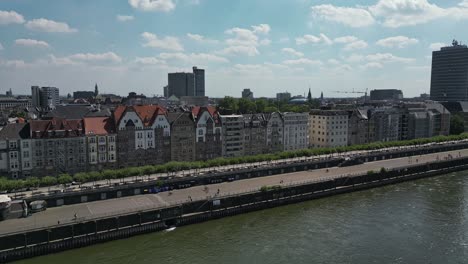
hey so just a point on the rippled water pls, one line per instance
(423, 221)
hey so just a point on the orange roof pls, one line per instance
(98, 125)
(147, 113)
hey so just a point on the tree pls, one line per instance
(246, 106)
(457, 125)
(228, 105)
(64, 179)
(48, 181)
(260, 105)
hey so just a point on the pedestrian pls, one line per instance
(75, 216)
(58, 222)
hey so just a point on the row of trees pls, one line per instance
(171, 167)
(230, 105)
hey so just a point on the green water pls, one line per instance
(424, 221)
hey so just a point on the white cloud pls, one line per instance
(306, 39)
(96, 57)
(31, 43)
(360, 44)
(355, 58)
(86, 58)
(387, 57)
(124, 18)
(240, 50)
(397, 13)
(46, 25)
(293, 52)
(346, 39)
(167, 43)
(149, 61)
(201, 39)
(242, 37)
(10, 17)
(353, 17)
(397, 42)
(372, 65)
(245, 41)
(437, 46)
(302, 61)
(390, 13)
(262, 28)
(194, 58)
(195, 37)
(152, 5)
(13, 63)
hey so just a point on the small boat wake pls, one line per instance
(170, 229)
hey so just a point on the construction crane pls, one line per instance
(355, 92)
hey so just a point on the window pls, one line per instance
(102, 140)
(200, 132)
(25, 144)
(92, 140)
(25, 154)
(13, 155)
(13, 144)
(111, 139)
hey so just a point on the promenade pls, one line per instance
(98, 209)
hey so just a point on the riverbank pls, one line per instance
(101, 230)
(422, 221)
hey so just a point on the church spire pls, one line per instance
(96, 90)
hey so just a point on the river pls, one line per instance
(424, 221)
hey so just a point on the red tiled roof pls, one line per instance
(71, 127)
(98, 125)
(147, 113)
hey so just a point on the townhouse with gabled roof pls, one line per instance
(143, 135)
(208, 134)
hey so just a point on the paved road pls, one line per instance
(65, 214)
(229, 167)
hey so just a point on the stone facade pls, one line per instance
(328, 129)
(255, 134)
(275, 132)
(233, 135)
(208, 136)
(182, 135)
(296, 127)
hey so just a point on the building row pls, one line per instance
(150, 134)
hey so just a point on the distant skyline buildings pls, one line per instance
(322, 45)
(45, 97)
(449, 78)
(186, 83)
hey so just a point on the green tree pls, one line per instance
(64, 179)
(228, 105)
(246, 106)
(48, 181)
(457, 125)
(260, 105)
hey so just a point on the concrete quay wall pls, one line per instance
(59, 238)
(239, 174)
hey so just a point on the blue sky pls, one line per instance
(267, 46)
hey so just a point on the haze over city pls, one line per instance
(267, 46)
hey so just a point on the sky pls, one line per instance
(265, 45)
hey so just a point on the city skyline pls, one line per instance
(267, 47)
